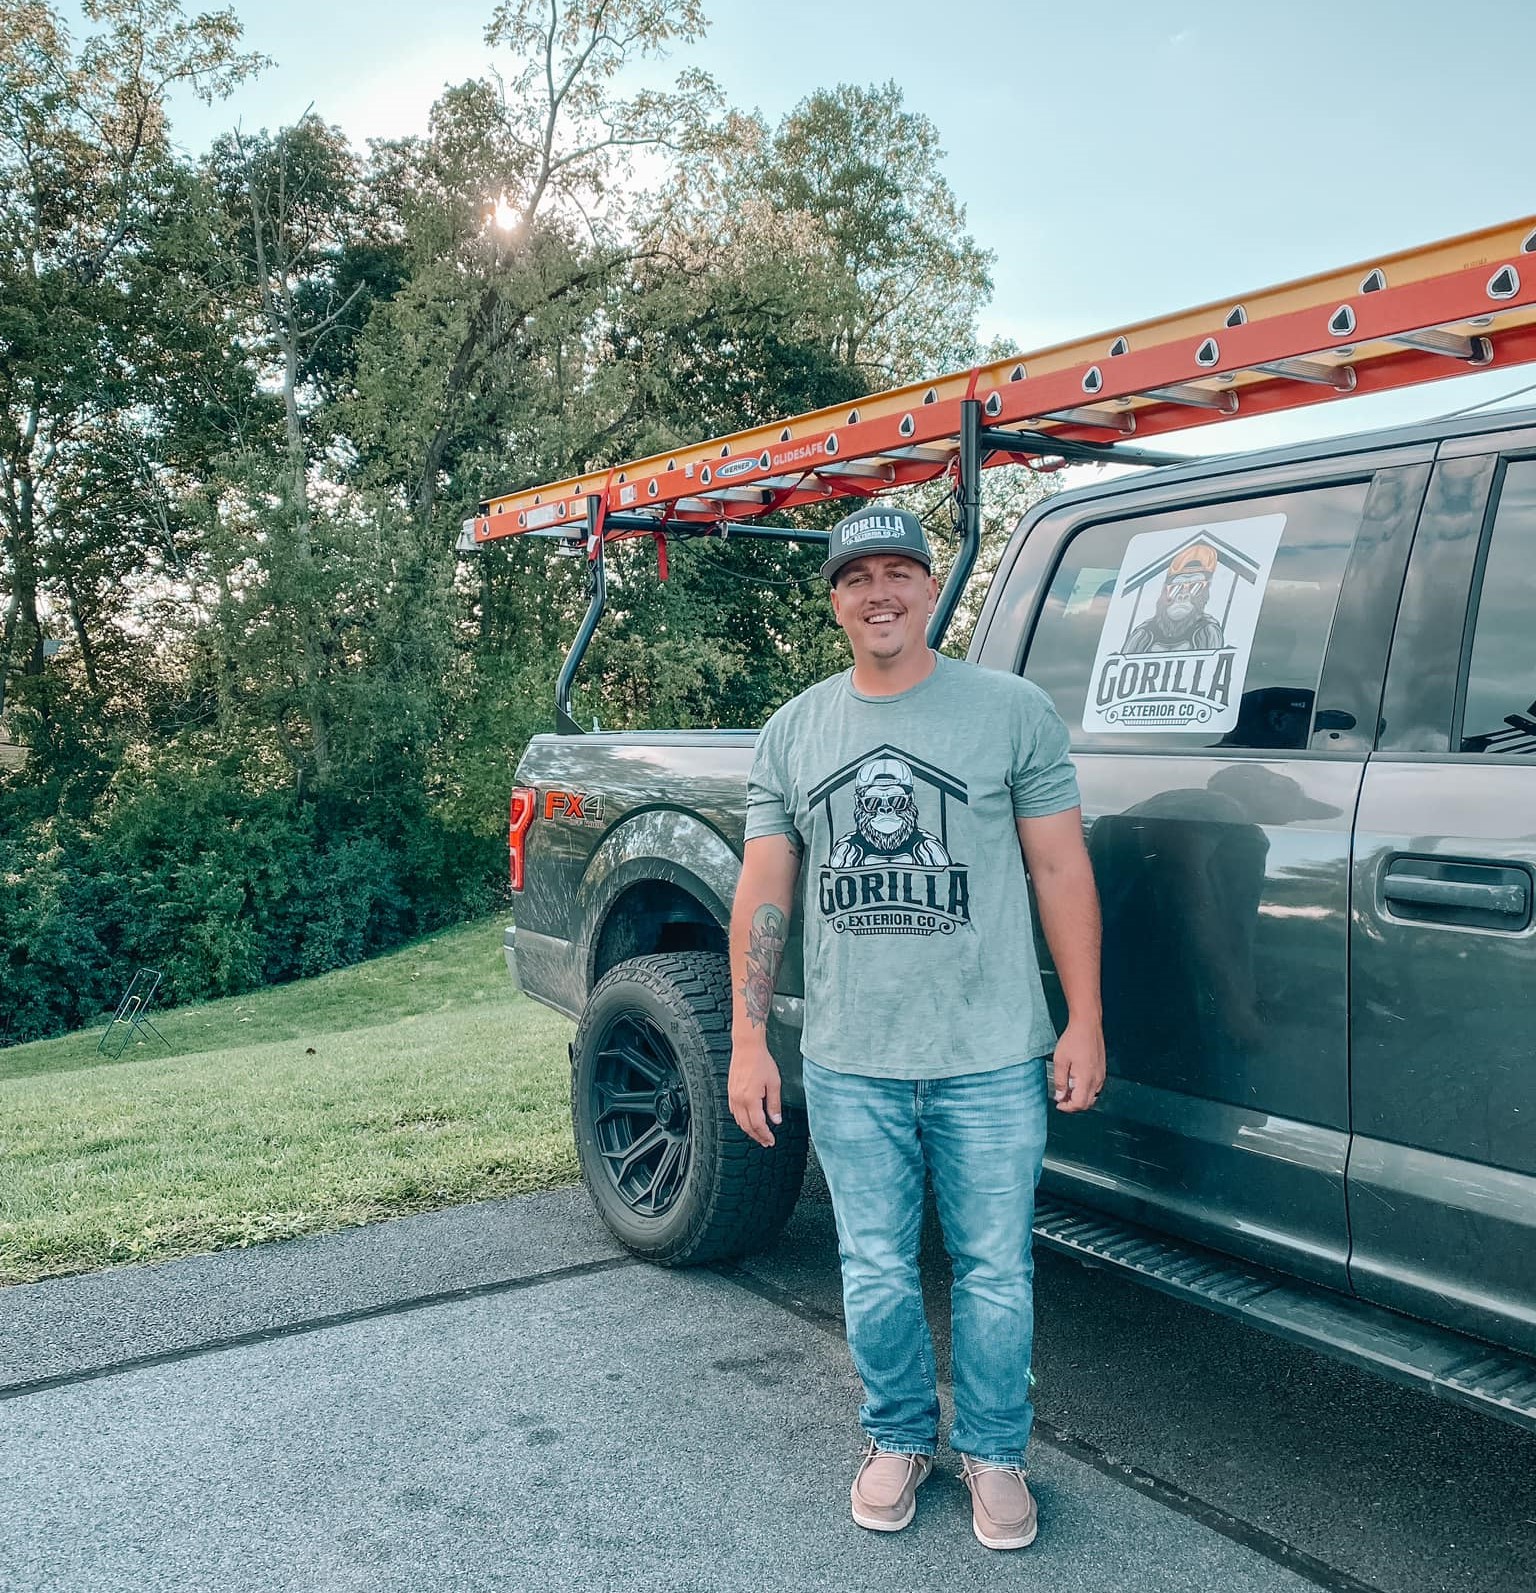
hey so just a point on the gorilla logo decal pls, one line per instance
(885, 821)
(1180, 623)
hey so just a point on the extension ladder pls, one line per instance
(1463, 304)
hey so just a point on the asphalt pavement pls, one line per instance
(496, 1397)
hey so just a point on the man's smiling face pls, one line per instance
(882, 602)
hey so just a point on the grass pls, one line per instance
(415, 1081)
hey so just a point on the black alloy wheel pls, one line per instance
(670, 1173)
(642, 1121)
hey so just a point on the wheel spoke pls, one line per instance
(648, 1067)
(641, 1148)
(616, 1102)
(664, 1182)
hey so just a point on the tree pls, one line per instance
(782, 271)
(513, 209)
(492, 364)
(905, 280)
(293, 207)
(88, 195)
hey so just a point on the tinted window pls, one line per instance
(1187, 612)
(1500, 711)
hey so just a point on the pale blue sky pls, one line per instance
(1121, 160)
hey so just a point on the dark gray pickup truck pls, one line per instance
(1300, 690)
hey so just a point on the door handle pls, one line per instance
(1507, 893)
(1511, 899)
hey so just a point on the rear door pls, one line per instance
(1222, 851)
(1442, 1173)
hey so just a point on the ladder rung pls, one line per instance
(872, 468)
(1341, 378)
(1194, 397)
(754, 494)
(1474, 350)
(1105, 419)
(923, 455)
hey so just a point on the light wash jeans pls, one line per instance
(981, 1138)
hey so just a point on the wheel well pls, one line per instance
(653, 917)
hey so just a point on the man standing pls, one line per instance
(911, 792)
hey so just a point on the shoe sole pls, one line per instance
(876, 1524)
(1004, 1543)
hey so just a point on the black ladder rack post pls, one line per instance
(968, 493)
(565, 724)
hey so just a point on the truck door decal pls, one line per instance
(1173, 653)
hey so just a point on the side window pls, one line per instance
(1200, 627)
(1499, 714)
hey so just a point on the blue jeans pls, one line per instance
(981, 1138)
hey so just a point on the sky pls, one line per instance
(1120, 160)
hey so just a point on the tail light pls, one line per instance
(521, 816)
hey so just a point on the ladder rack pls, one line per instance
(1463, 304)
(1467, 303)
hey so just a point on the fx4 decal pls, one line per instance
(581, 807)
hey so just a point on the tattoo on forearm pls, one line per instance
(765, 952)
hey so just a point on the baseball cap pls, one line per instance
(876, 528)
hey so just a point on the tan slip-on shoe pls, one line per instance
(1003, 1514)
(885, 1489)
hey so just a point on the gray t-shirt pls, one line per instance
(919, 943)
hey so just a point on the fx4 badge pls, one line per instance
(581, 807)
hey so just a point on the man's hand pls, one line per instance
(753, 1092)
(1079, 1067)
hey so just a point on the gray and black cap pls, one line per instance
(876, 528)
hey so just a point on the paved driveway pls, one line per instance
(495, 1398)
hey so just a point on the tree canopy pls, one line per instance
(246, 397)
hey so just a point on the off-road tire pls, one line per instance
(732, 1196)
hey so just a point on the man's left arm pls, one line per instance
(1068, 903)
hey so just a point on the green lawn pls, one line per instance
(418, 1080)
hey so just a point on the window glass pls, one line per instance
(1201, 627)
(1500, 711)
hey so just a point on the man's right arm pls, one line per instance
(765, 893)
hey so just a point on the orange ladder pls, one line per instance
(1462, 304)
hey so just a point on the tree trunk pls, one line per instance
(77, 624)
(303, 531)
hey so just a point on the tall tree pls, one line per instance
(513, 208)
(293, 201)
(905, 278)
(89, 192)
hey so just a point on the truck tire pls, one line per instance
(673, 1177)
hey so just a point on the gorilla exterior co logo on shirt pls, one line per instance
(1173, 654)
(890, 871)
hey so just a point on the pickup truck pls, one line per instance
(1299, 685)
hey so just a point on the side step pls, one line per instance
(1461, 1369)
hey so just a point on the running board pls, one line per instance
(1490, 1380)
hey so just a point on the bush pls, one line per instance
(222, 888)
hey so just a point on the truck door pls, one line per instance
(1222, 847)
(1442, 1169)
